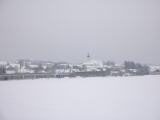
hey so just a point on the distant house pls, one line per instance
(91, 68)
(11, 70)
(92, 65)
(155, 70)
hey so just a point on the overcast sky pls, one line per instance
(66, 30)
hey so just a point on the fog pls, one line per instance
(66, 30)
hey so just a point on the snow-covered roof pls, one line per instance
(154, 67)
(94, 63)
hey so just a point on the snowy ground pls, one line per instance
(108, 98)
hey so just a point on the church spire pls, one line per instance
(88, 56)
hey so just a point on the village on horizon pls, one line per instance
(24, 69)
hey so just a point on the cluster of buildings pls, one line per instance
(89, 68)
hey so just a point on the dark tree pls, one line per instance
(129, 65)
(2, 69)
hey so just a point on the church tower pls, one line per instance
(88, 57)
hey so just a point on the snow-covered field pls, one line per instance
(99, 98)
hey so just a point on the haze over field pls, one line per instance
(99, 98)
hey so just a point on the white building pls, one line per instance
(93, 65)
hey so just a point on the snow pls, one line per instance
(99, 98)
(93, 63)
